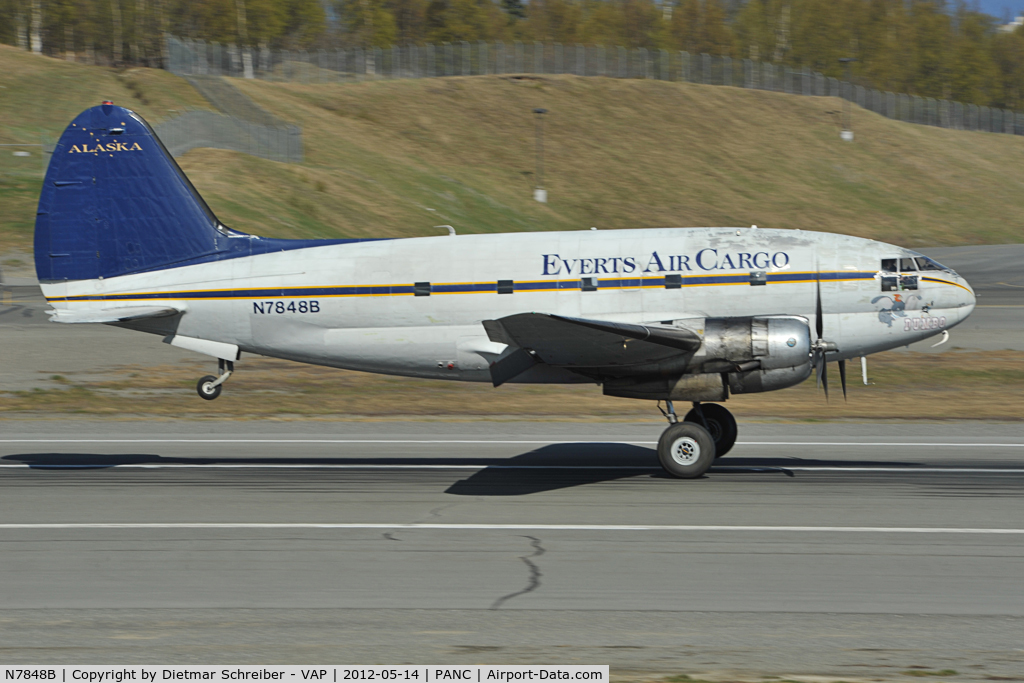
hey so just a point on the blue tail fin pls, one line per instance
(115, 202)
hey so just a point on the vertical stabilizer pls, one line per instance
(115, 202)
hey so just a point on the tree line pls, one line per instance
(930, 48)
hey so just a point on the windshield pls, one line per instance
(925, 263)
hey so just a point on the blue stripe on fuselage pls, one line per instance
(463, 287)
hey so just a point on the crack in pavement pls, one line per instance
(535, 573)
(432, 515)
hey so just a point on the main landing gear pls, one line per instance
(209, 387)
(688, 448)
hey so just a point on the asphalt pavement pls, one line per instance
(851, 550)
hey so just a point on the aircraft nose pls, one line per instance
(967, 299)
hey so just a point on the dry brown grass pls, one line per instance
(953, 385)
(39, 96)
(618, 154)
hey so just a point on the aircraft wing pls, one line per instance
(578, 343)
(111, 315)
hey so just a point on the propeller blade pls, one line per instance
(824, 376)
(819, 323)
(821, 372)
(842, 376)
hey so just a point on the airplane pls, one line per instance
(671, 314)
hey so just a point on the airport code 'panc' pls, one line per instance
(323, 673)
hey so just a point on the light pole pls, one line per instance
(539, 193)
(847, 133)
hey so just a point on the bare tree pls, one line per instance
(782, 35)
(22, 33)
(138, 32)
(69, 41)
(115, 15)
(161, 25)
(36, 32)
(243, 39)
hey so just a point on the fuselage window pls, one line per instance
(889, 265)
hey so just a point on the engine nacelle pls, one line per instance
(739, 356)
(773, 341)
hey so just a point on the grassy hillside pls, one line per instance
(39, 97)
(618, 154)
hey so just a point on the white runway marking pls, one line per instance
(430, 466)
(514, 527)
(912, 442)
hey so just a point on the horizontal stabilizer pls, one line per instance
(577, 342)
(111, 315)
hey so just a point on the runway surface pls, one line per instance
(854, 550)
(859, 551)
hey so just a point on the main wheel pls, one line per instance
(686, 450)
(206, 390)
(721, 426)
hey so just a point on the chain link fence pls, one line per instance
(194, 57)
(181, 133)
(199, 128)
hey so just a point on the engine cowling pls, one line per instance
(773, 341)
(739, 356)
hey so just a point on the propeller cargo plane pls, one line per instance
(679, 314)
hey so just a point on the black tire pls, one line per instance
(686, 450)
(205, 390)
(721, 426)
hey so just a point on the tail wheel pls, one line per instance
(206, 389)
(686, 450)
(721, 425)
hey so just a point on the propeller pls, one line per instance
(821, 347)
(842, 376)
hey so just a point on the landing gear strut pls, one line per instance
(686, 449)
(209, 387)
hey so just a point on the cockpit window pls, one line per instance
(911, 264)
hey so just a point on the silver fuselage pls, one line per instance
(356, 306)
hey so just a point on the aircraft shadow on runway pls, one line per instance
(588, 463)
(553, 467)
